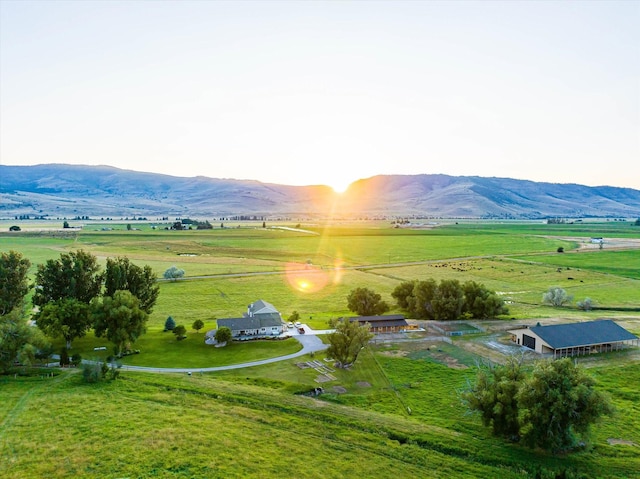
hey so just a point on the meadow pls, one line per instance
(397, 413)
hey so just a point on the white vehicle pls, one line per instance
(298, 324)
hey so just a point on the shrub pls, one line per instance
(180, 332)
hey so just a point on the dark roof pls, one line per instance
(382, 321)
(255, 322)
(582, 334)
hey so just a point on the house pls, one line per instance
(575, 338)
(390, 323)
(261, 320)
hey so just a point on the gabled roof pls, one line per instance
(582, 334)
(262, 307)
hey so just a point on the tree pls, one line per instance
(295, 316)
(365, 302)
(75, 275)
(120, 319)
(558, 404)
(494, 396)
(481, 303)
(65, 225)
(560, 249)
(17, 339)
(169, 324)
(64, 357)
(448, 301)
(556, 297)
(223, 335)
(67, 318)
(173, 273)
(14, 285)
(180, 331)
(347, 340)
(424, 293)
(585, 305)
(403, 294)
(121, 274)
(198, 324)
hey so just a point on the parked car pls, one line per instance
(290, 324)
(298, 324)
(301, 330)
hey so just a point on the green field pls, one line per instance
(397, 413)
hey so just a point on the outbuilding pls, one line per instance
(388, 323)
(575, 339)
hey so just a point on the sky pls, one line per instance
(316, 92)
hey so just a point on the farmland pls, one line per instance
(397, 413)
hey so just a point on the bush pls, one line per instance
(76, 359)
(180, 332)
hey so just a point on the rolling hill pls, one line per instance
(59, 190)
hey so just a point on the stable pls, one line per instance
(389, 323)
(575, 339)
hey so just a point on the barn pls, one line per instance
(575, 339)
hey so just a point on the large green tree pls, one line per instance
(494, 396)
(346, 342)
(366, 302)
(403, 294)
(558, 403)
(14, 284)
(75, 275)
(424, 293)
(448, 301)
(67, 318)
(19, 341)
(121, 274)
(480, 303)
(120, 319)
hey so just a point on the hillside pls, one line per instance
(59, 190)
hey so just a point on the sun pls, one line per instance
(340, 186)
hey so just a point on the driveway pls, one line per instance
(310, 344)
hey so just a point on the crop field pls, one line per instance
(396, 413)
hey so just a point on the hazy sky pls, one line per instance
(304, 92)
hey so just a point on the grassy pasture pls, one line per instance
(516, 259)
(209, 426)
(250, 422)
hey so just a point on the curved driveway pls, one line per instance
(310, 343)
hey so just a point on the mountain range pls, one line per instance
(60, 190)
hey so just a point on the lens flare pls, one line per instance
(308, 278)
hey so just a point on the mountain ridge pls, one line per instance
(56, 190)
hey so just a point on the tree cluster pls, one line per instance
(18, 340)
(551, 407)
(70, 300)
(448, 300)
